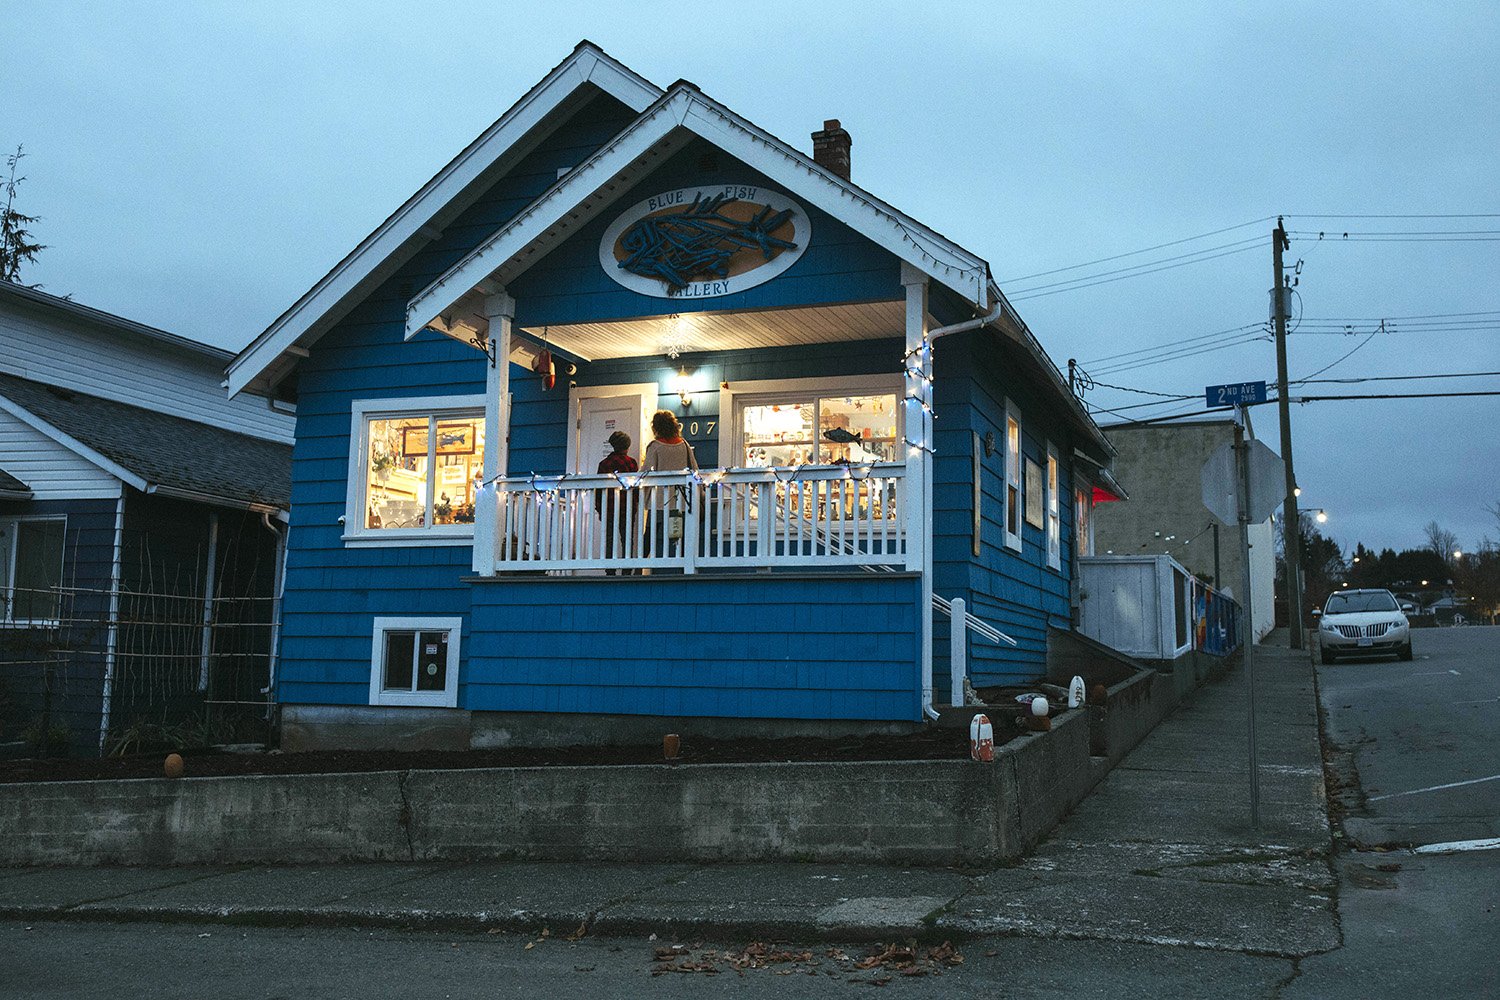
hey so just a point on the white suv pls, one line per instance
(1362, 623)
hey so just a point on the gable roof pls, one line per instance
(154, 452)
(12, 488)
(422, 218)
(109, 321)
(683, 112)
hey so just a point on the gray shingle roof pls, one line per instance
(163, 450)
(11, 483)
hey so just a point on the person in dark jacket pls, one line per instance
(617, 513)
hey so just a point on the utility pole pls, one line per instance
(1292, 522)
(1242, 515)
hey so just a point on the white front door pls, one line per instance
(598, 418)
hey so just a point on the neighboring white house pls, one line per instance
(141, 524)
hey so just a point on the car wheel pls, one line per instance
(1404, 653)
(1325, 655)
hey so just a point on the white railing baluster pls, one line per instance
(808, 516)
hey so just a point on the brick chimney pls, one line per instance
(831, 148)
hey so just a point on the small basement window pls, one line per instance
(414, 661)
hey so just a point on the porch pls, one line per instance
(798, 517)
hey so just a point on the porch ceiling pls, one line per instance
(726, 331)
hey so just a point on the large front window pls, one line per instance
(31, 569)
(414, 472)
(817, 428)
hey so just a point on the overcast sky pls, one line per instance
(198, 166)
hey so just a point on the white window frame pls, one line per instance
(446, 698)
(11, 543)
(733, 399)
(1013, 457)
(1054, 520)
(1083, 517)
(356, 534)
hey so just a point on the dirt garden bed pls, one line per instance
(930, 744)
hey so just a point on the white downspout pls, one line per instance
(278, 586)
(113, 640)
(924, 389)
(205, 644)
(968, 324)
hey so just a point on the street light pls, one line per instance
(1322, 518)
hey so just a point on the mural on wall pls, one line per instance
(703, 242)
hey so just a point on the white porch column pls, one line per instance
(918, 366)
(501, 310)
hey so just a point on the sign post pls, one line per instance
(1240, 487)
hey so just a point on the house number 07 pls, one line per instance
(693, 427)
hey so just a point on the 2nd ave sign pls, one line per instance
(1237, 394)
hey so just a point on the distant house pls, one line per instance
(141, 523)
(451, 543)
(1163, 463)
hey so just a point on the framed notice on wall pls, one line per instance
(1035, 495)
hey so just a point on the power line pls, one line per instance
(1351, 350)
(1143, 392)
(1413, 236)
(1396, 378)
(1135, 253)
(1391, 395)
(1174, 343)
(1135, 267)
(1085, 283)
(1186, 353)
(1316, 216)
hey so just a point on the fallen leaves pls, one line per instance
(884, 962)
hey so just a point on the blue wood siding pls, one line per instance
(60, 673)
(748, 647)
(333, 592)
(569, 286)
(545, 645)
(1019, 593)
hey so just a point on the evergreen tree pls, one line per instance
(16, 242)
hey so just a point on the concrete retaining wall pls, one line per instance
(919, 812)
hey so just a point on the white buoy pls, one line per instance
(981, 738)
(1075, 692)
(1039, 705)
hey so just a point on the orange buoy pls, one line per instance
(173, 765)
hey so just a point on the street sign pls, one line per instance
(1221, 485)
(1238, 394)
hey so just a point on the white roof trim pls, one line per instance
(587, 64)
(687, 108)
(71, 443)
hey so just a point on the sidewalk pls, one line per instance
(1162, 852)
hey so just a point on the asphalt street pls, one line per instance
(1156, 885)
(1421, 767)
(1422, 738)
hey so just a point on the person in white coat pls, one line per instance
(667, 453)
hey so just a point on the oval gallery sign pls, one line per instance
(696, 243)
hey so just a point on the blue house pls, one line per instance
(877, 434)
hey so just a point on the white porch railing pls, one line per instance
(762, 518)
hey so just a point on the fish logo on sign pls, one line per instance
(704, 242)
